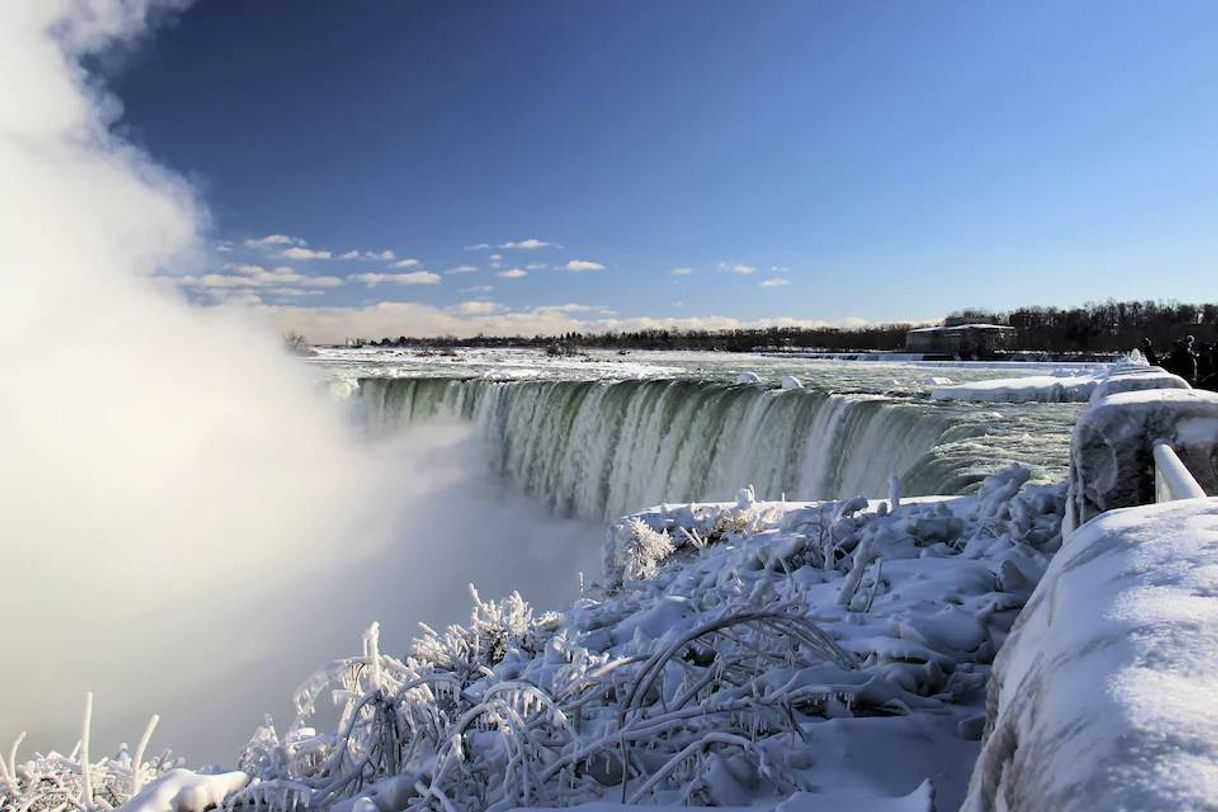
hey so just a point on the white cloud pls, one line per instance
(477, 308)
(740, 268)
(273, 241)
(481, 246)
(774, 283)
(405, 263)
(584, 265)
(463, 269)
(303, 252)
(245, 275)
(478, 289)
(686, 271)
(513, 273)
(536, 266)
(530, 244)
(496, 260)
(292, 293)
(412, 278)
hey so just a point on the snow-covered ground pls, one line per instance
(732, 653)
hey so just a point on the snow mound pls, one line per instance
(185, 791)
(1033, 388)
(1103, 698)
(826, 653)
(1127, 375)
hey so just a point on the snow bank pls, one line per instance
(1038, 388)
(1103, 697)
(737, 654)
(1123, 376)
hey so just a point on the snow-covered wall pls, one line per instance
(1103, 695)
(1111, 451)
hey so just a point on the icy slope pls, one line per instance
(735, 653)
(1103, 697)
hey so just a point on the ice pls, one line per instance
(1103, 697)
(1112, 446)
(738, 653)
(1037, 388)
(181, 790)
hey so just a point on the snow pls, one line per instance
(828, 653)
(181, 790)
(1103, 697)
(1064, 385)
(921, 799)
(1112, 445)
(1038, 388)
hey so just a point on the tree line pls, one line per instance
(1096, 327)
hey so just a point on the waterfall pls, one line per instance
(604, 448)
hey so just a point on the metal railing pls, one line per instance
(1172, 480)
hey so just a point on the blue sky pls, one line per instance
(815, 161)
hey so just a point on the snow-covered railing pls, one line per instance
(1172, 479)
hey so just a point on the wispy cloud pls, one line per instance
(413, 278)
(369, 256)
(686, 271)
(513, 273)
(463, 269)
(774, 283)
(304, 252)
(740, 268)
(584, 265)
(245, 275)
(272, 241)
(495, 260)
(530, 244)
(479, 246)
(478, 289)
(405, 263)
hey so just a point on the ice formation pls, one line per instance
(736, 652)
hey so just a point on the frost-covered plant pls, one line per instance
(637, 551)
(54, 782)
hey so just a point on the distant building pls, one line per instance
(960, 340)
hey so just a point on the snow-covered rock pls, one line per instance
(1103, 697)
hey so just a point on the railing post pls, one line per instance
(1172, 479)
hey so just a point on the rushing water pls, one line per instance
(603, 447)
